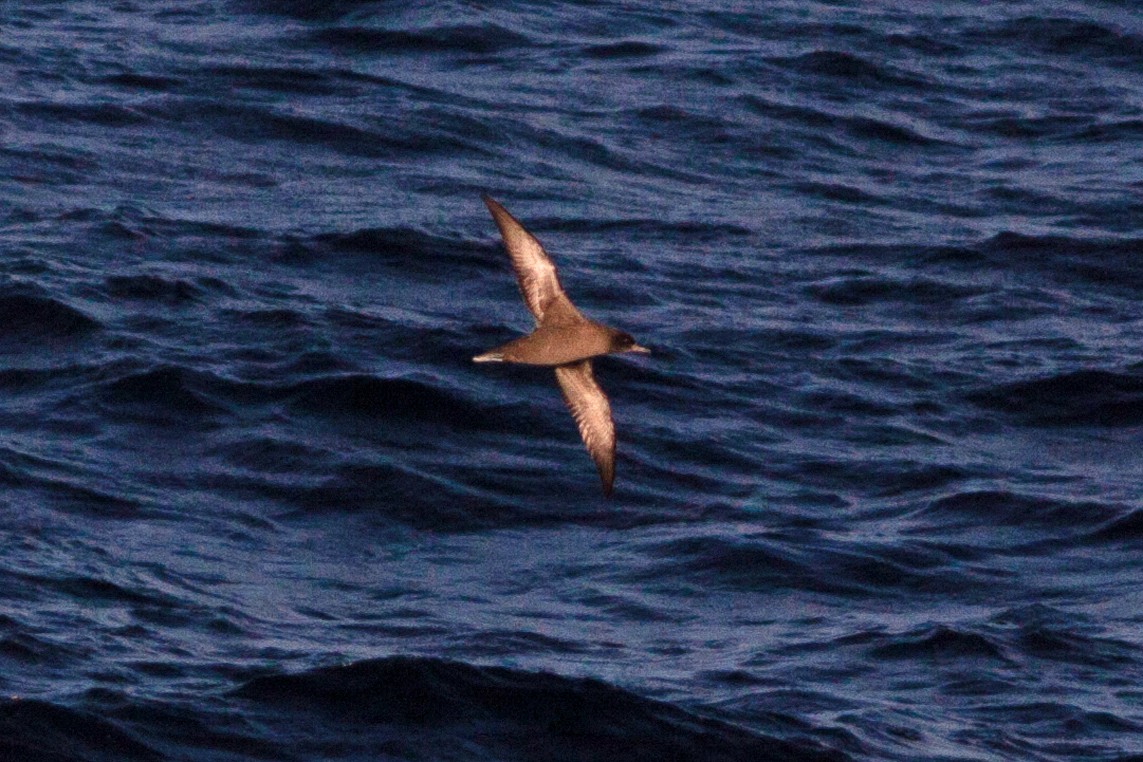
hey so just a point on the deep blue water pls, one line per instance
(880, 485)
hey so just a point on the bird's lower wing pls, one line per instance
(592, 414)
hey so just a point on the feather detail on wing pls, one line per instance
(535, 271)
(592, 413)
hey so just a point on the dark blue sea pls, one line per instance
(879, 489)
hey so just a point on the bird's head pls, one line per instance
(622, 341)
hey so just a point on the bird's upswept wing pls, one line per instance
(535, 272)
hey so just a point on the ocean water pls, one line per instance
(880, 484)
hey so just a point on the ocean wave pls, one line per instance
(345, 134)
(411, 249)
(855, 70)
(856, 291)
(163, 395)
(1126, 528)
(504, 713)
(642, 228)
(31, 729)
(485, 38)
(623, 49)
(31, 319)
(309, 10)
(99, 114)
(940, 642)
(1074, 398)
(397, 399)
(153, 288)
(810, 562)
(1048, 633)
(1110, 262)
(1080, 39)
(128, 223)
(139, 81)
(291, 80)
(1005, 508)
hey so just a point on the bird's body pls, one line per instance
(554, 345)
(563, 339)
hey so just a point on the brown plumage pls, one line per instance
(563, 339)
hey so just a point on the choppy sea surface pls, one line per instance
(880, 484)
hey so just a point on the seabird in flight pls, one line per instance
(564, 340)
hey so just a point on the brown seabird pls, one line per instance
(563, 339)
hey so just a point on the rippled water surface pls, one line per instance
(880, 484)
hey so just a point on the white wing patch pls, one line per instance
(592, 414)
